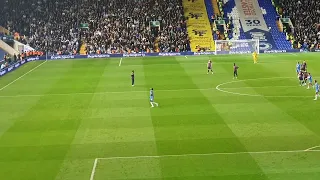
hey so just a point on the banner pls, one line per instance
(63, 57)
(198, 25)
(253, 23)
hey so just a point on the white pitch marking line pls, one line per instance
(120, 62)
(260, 87)
(22, 76)
(94, 169)
(311, 149)
(293, 54)
(208, 154)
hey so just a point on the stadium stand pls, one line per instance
(232, 17)
(106, 25)
(305, 15)
(231, 12)
(125, 27)
(48, 25)
(270, 16)
(210, 10)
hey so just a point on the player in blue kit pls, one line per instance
(309, 78)
(132, 78)
(152, 98)
(210, 67)
(316, 86)
(298, 68)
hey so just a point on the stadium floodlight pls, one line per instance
(244, 46)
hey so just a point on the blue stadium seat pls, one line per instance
(209, 8)
(270, 19)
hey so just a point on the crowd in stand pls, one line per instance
(48, 25)
(124, 26)
(305, 16)
(113, 26)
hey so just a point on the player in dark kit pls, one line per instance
(305, 78)
(210, 67)
(132, 78)
(300, 78)
(235, 71)
(304, 66)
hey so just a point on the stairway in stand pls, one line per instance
(83, 50)
(198, 25)
(156, 44)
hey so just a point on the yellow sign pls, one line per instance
(198, 25)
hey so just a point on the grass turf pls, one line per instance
(56, 120)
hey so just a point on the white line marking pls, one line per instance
(293, 54)
(120, 62)
(260, 87)
(208, 154)
(218, 87)
(311, 149)
(22, 76)
(94, 169)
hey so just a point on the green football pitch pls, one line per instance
(82, 120)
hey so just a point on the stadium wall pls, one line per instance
(18, 64)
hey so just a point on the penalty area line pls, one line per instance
(95, 163)
(22, 76)
(120, 62)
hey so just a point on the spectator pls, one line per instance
(305, 15)
(14, 58)
(3, 65)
